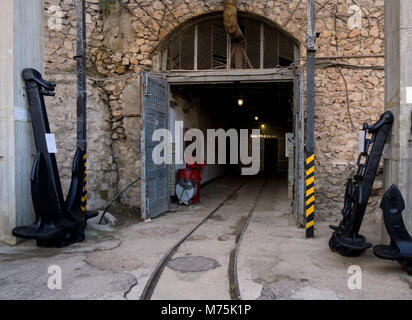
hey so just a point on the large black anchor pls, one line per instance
(400, 249)
(59, 222)
(346, 239)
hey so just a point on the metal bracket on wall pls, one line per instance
(146, 86)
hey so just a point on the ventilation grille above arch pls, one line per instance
(205, 45)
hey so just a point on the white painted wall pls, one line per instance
(189, 112)
(21, 46)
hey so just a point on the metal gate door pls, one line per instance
(299, 148)
(155, 95)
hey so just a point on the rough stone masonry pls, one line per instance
(122, 41)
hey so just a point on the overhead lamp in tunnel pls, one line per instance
(240, 101)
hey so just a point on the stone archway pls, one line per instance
(132, 35)
(266, 45)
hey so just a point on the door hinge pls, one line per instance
(146, 85)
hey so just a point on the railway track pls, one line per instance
(232, 269)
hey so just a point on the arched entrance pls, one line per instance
(214, 86)
(203, 44)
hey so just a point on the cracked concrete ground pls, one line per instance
(215, 239)
(113, 262)
(275, 260)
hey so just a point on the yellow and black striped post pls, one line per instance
(83, 205)
(310, 196)
(310, 120)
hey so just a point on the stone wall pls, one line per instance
(336, 139)
(124, 41)
(102, 171)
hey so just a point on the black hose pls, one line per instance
(117, 197)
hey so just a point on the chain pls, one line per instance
(366, 155)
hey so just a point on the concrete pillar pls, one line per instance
(398, 98)
(21, 46)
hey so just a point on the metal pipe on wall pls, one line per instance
(81, 74)
(310, 119)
